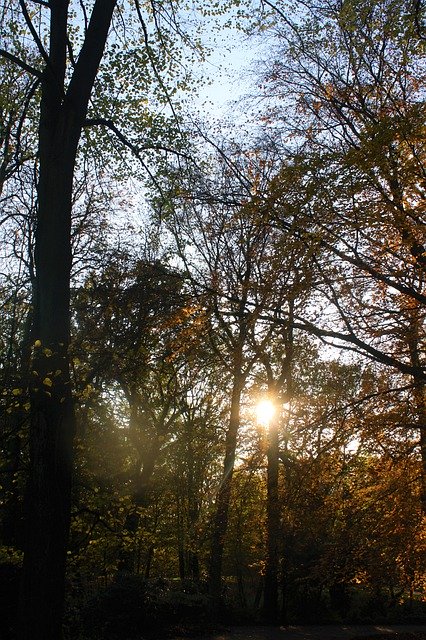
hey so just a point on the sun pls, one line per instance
(265, 411)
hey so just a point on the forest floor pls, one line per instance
(316, 632)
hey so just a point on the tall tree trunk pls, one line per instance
(277, 389)
(423, 452)
(420, 400)
(52, 413)
(270, 597)
(223, 499)
(419, 392)
(48, 498)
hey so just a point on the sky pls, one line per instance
(228, 69)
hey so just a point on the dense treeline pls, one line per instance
(212, 354)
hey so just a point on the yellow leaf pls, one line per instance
(47, 382)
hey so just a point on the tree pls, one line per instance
(242, 267)
(337, 480)
(62, 114)
(195, 460)
(130, 321)
(16, 139)
(349, 81)
(226, 251)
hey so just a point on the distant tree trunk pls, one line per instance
(148, 563)
(420, 400)
(423, 452)
(48, 498)
(278, 388)
(194, 565)
(193, 516)
(270, 597)
(181, 538)
(419, 392)
(223, 499)
(284, 592)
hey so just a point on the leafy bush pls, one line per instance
(132, 607)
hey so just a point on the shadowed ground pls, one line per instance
(329, 632)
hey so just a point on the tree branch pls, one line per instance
(150, 56)
(361, 347)
(85, 71)
(417, 8)
(21, 63)
(34, 33)
(136, 150)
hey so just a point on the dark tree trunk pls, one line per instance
(181, 555)
(419, 392)
(148, 564)
(52, 414)
(270, 597)
(423, 452)
(420, 398)
(223, 499)
(273, 530)
(194, 566)
(48, 498)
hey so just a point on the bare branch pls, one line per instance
(28, 99)
(361, 347)
(20, 63)
(136, 150)
(70, 52)
(417, 4)
(34, 33)
(151, 59)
